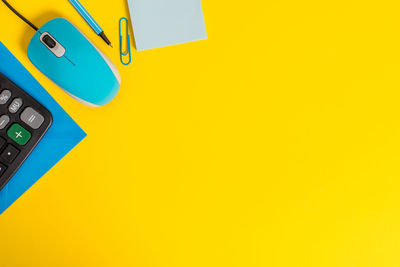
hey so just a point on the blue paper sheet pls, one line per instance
(63, 135)
(158, 23)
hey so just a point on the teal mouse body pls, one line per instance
(65, 55)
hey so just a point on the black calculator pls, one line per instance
(23, 122)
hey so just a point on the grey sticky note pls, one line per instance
(158, 23)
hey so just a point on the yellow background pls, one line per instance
(273, 143)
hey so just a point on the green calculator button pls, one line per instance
(19, 134)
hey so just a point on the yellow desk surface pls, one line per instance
(273, 143)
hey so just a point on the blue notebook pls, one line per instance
(158, 23)
(63, 135)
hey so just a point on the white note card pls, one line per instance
(158, 23)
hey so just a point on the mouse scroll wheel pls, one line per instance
(50, 42)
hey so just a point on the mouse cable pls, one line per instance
(20, 16)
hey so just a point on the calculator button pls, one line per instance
(15, 105)
(19, 134)
(32, 118)
(4, 96)
(2, 169)
(2, 142)
(9, 154)
(4, 120)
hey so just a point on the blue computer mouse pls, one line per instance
(67, 57)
